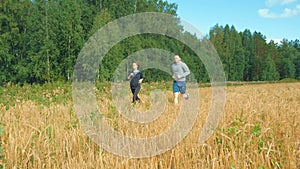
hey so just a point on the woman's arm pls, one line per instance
(130, 75)
(141, 78)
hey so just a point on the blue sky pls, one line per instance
(276, 19)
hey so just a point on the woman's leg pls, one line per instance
(132, 91)
(135, 93)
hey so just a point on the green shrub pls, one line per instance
(288, 80)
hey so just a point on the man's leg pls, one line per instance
(186, 95)
(182, 87)
(176, 92)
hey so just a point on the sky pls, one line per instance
(276, 19)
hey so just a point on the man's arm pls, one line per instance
(173, 75)
(186, 70)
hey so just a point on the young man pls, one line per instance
(136, 78)
(179, 71)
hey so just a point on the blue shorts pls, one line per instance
(179, 86)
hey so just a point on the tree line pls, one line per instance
(248, 56)
(41, 39)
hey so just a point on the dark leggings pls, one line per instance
(135, 91)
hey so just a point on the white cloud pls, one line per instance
(270, 3)
(265, 13)
(288, 12)
(283, 2)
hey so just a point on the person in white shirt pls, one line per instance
(179, 70)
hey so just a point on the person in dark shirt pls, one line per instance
(136, 78)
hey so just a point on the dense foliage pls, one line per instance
(41, 39)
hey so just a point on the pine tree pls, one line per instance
(288, 55)
(69, 35)
(248, 45)
(261, 50)
(269, 72)
(296, 45)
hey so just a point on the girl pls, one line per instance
(136, 78)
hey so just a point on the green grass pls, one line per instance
(46, 94)
(289, 80)
(61, 92)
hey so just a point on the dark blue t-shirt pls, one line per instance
(134, 82)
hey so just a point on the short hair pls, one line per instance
(137, 63)
(177, 56)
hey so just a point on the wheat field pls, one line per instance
(260, 128)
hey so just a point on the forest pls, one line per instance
(41, 39)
